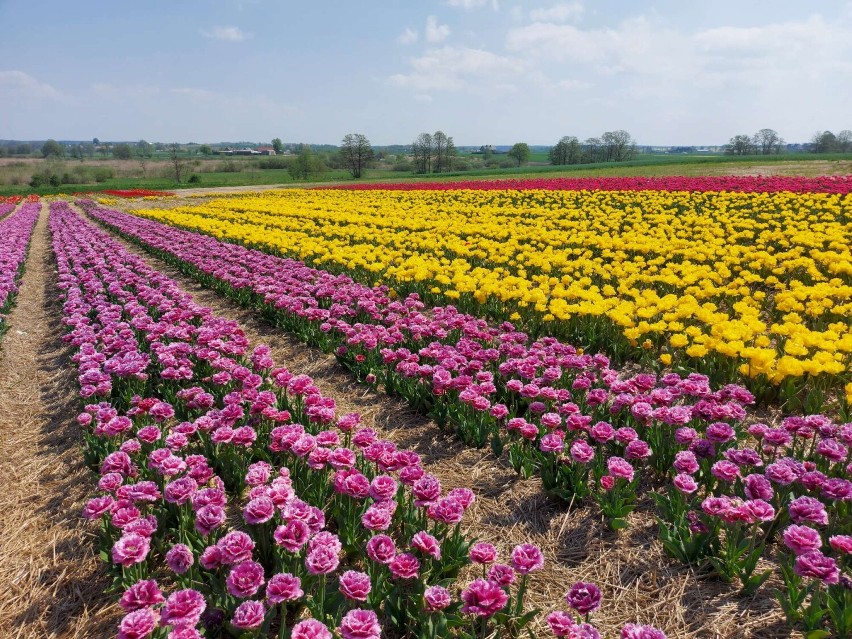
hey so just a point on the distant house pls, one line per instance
(265, 150)
(245, 151)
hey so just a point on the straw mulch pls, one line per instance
(53, 583)
(639, 582)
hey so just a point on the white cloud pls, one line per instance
(18, 85)
(786, 72)
(195, 94)
(456, 68)
(409, 36)
(122, 93)
(565, 12)
(229, 34)
(472, 4)
(436, 32)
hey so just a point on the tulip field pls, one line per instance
(742, 286)
(669, 353)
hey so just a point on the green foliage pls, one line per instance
(273, 162)
(52, 148)
(305, 164)
(144, 149)
(566, 151)
(229, 166)
(277, 145)
(520, 153)
(103, 173)
(122, 151)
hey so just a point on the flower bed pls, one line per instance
(188, 427)
(724, 491)
(15, 233)
(744, 184)
(751, 288)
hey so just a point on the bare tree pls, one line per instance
(443, 145)
(592, 150)
(767, 141)
(178, 161)
(739, 145)
(422, 151)
(618, 146)
(844, 141)
(356, 153)
(449, 154)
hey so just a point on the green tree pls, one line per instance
(825, 142)
(844, 141)
(144, 149)
(205, 149)
(122, 151)
(52, 148)
(304, 164)
(520, 153)
(566, 151)
(356, 153)
(277, 145)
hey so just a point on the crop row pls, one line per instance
(730, 183)
(742, 287)
(338, 529)
(725, 492)
(15, 233)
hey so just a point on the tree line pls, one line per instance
(611, 146)
(433, 153)
(429, 153)
(827, 142)
(764, 142)
(767, 142)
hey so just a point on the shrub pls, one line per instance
(229, 166)
(194, 179)
(103, 173)
(39, 179)
(273, 162)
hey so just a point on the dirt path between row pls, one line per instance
(639, 582)
(52, 581)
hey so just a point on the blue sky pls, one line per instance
(483, 71)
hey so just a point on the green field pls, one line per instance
(648, 165)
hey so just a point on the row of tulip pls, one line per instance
(7, 205)
(15, 233)
(571, 418)
(184, 422)
(743, 184)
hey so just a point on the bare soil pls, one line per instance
(53, 582)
